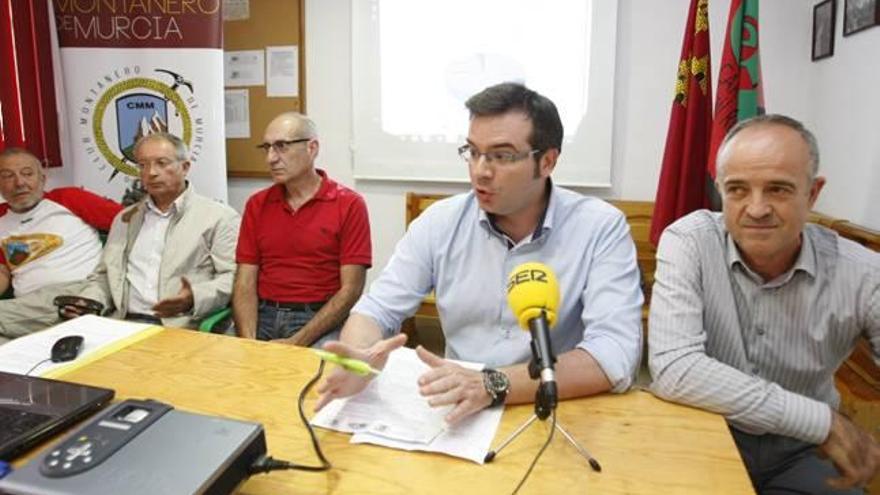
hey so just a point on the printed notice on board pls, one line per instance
(236, 10)
(238, 118)
(243, 68)
(282, 71)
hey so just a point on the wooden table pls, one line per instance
(645, 445)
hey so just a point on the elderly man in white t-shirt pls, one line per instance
(49, 241)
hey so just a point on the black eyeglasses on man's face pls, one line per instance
(472, 155)
(282, 145)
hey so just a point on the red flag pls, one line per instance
(740, 94)
(683, 177)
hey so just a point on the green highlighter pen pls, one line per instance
(356, 366)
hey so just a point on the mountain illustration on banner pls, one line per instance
(138, 115)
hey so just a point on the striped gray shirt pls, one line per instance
(763, 354)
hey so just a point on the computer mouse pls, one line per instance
(66, 348)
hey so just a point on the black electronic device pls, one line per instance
(145, 447)
(97, 441)
(33, 409)
(66, 348)
(83, 305)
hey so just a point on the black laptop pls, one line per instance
(33, 409)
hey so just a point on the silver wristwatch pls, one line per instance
(497, 385)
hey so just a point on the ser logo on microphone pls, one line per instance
(525, 276)
(532, 292)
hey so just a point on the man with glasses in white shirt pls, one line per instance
(464, 247)
(169, 259)
(304, 246)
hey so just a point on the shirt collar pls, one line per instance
(545, 222)
(805, 262)
(26, 216)
(328, 191)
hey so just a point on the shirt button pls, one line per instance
(754, 370)
(760, 331)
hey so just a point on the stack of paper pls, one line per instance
(99, 335)
(392, 413)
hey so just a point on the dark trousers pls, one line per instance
(783, 465)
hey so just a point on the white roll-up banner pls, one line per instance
(130, 68)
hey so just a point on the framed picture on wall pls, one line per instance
(823, 29)
(859, 15)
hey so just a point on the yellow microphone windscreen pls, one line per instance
(532, 287)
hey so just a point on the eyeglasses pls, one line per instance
(472, 155)
(160, 163)
(281, 146)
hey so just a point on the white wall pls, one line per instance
(844, 112)
(328, 83)
(58, 177)
(837, 98)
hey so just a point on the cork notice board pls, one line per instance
(274, 23)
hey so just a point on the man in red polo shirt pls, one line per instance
(304, 246)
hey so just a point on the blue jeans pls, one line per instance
(783, 465)
(281, 323)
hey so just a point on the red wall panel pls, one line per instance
(28, 109)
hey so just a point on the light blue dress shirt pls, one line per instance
(454, 249)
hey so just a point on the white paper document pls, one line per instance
(238, 114)
(282, 71)
(243, 68)
(22, 354)
(392, 413)
(236, 10)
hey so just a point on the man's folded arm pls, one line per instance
(5, 276)
(98, 287)
(245, 300)
(215, 293)
(612, 300)
(336, 309)
(404, 282)
(872, 327)
(361, 331)
(577, 375)
(683, 372)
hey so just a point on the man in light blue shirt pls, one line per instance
(464, 247)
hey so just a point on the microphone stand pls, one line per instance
(545, 404)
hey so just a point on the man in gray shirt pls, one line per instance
(753, 311)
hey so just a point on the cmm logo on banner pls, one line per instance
(133, 105)
(135, 68)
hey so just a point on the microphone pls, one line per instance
(533, 295)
